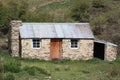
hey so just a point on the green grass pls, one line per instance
(63, 70)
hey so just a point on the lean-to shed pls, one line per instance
(105, 50)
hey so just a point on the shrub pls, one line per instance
(1, 76)
(1, 69)
(80, 11)
(14, 67)
(113, 17)
(1, 66)
(9, 77)
(98, 3)
(4, 47)
(114, 73)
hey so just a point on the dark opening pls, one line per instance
(99, 50)
(20, 46)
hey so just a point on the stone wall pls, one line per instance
(29, 52)
(84, 50)
(14, 38)
(110, 52)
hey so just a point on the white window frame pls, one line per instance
(38, 41)
(73, 44)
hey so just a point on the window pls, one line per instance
(74, 43)
(36, 43)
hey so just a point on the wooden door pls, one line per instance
(55, 49)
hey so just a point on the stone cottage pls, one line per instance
(52, 41)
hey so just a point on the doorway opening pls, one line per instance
(99, 50)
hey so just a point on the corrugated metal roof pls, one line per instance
(104, 42)
(56, 30)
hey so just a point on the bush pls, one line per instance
(9, 77)
(1, 66)
(80, 11)
(1, 76)
(98, 3)
(113, 17)
(1, 69)
(14, 67)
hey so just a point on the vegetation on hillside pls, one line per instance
(103, 15)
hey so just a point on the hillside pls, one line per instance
(32, 69)
(103, 15)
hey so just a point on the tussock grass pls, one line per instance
(63, 70)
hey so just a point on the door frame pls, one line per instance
(97, 50)
(57, 45)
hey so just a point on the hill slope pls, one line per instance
(31, 69)
(103, 15)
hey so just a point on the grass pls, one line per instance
(34, 69)
(30, 69)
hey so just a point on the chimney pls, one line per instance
(14, 40)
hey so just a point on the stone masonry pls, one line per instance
(84, 50)
(110, 52)
(14, 31)
(41, 53)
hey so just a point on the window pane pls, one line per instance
(74, 43)
(36, 43)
